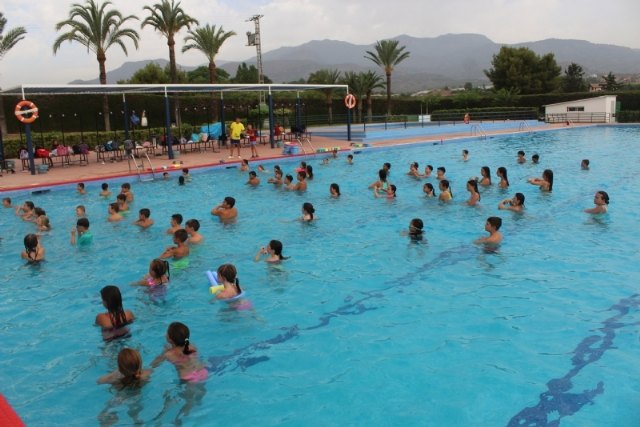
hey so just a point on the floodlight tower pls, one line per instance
(253, 39)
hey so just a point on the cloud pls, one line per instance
(293, 22)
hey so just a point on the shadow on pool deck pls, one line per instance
(96, 171)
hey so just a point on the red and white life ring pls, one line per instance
(20, 113)
(350, 101)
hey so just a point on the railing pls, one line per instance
(478, 130)
(580, 117)
(140, 166)
(524, 127)
(302, 139)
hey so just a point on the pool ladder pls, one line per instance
(140, 166)
(478, 130)
(301, 140)
(524, 127)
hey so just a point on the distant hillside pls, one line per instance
(447, 60)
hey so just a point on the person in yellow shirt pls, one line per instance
(236, 129)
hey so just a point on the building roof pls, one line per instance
(579, 100)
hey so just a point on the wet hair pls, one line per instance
(302, 174)
(185, 170)
(229, 273)
(104, 186)
(335, 187)
(447, 186)
(145, 212)
(130, 366)
(115, 207)
(193, 223)
(277, 168)
(81, 185)
(245, 162)
(276, 245)
(429, 186)
(181, 235)
(350, 156)
(126, 185)
(416, 229)
(585, 162)
(474, 184)
(382, 174)
(177, 218)
(465, 151)
(495, 221)
(547, 175)
(486, 171)
(122, 197)
(39, 211)
(415, 165)
(31, 245)
(159, 267)
(387, 165)
(430, 167)
(520, 153)
(181, 180)
(83, 222)
(393, 189)
(230, 201)
(502, 171)
(179, 334)
(278, 172)
(252, 174)
(520, 198)
(535, 157)
(308, 208)
(289, 178)
(7, 199)
(309, 170)
(29, 204)
(82, 208)
(605, 196)
(303, 165)
(113, 302)
(442, 169)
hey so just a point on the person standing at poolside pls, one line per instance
(226, 210)
(236, 128)
(253, 139)
(601, 200)
(84, 235)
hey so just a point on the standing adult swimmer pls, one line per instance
(236, 129)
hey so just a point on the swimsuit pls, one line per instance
(196, 376)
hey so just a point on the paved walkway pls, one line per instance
(22, 180)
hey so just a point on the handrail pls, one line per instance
(524, 127)
(140, 167)
(477, 129)
(301, 140)
(579, 117)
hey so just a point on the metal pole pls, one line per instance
(271, 121)
(167, 125)
(62, 128)
(223, 134)
(348, 124)
(125, 113)
(32, 165)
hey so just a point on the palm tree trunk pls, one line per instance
(105, 100)
(213, 77)
(388, 94)
(359, 118)
(174, 78)
(329, 107)
(369, 107)
(3, 119)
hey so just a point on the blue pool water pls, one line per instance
(359, 326)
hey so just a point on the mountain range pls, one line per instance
(434, 62)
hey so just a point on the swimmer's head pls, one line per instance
(144, 213)
(520, 153)
(584, 164)
(80, 186)
(252, 174)
(309, 170)
(192, 224)
(181, 180)
(288, 179)
(334, 189)
(603, 196)
(126, 186)
(308, 209)
(230, 201)
(519, 197)
(392, 190)
(472, 184)
(382, 174)
(428, 189)
(6, 201)
(158, 268)
(82, 224)
(179, 335)
(228, 272)
(386, 166)
(180, 236)
(121, 198)
(114, 207)
(176, 219)
(494, 222)
(547, 175)
(111, 298)
(502, 173)
(130, 366)
(276, 247)
(104, 186)
(485, 171)
(245, 162)
(30, 242)
(416, 225)
(39, 211)
(302, 175)
(535, 158)
(429, 168)
(441, 171)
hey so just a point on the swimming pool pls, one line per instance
(359, 326)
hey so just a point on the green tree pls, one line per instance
(468, 86)
(7, 42)
(151, 73)
(248, 74)
(208, 40)
(168, 18)
(573, 79)
(387, 55)
(521, 69)
(610, 83)
(97, 29)
(326, 77)
(371, 81)
(354, 81)
(201, 75)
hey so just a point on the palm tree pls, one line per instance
(354, 81)
(97, 29)
(370, 81)
(326, 77)
(208, 40)
(387, 56)
(168, 18)
(7, 42)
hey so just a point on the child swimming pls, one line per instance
(129, 373)
(182, 354)
(114, 322)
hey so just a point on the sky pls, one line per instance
(294, 22)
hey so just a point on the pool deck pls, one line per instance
(97, 171)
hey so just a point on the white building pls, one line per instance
(601, 109)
